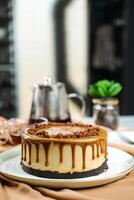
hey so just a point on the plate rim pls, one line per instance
(48, 181)
(124, 137)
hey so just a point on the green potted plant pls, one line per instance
(105, 102)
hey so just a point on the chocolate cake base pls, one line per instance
(56, 175)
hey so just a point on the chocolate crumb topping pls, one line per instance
(63, 130)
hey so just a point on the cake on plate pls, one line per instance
(64, 150)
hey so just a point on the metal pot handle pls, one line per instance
(80, 97)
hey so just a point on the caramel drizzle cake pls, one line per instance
(64, 150)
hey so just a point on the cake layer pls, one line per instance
(64, 155)
(56, 175)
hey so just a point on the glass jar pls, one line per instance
(106, 112)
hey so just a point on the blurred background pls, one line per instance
(74, 41)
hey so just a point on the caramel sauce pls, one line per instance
(37, 152)
(61, 152)
(105, 151)
(97, 145)
(84, 147)
(25, 152)
(29, 145)
(100, 146)
(73, 155)
(46, 149)
(93, 152)
(22, 151)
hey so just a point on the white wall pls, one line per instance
(76, 29)
(34, 47)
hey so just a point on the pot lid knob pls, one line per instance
(47, 81)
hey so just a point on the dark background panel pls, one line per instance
(110, 47)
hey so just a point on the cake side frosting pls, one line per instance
(64, 154)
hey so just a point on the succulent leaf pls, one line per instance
(92, 91)
(101, 92)
(104, 88)
(115, 89)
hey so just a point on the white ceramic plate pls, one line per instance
(127, 136)
(120, 163)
